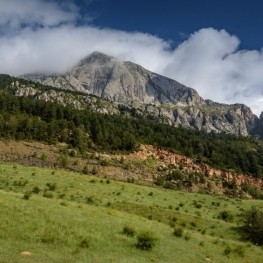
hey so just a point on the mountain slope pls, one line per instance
(150, 94)
(122, 82)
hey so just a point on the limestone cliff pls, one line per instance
(151, 95)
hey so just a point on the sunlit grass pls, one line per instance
(80, 218)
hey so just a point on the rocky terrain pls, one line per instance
(147, 94)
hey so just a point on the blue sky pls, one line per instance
(212, 46)
(175, 20)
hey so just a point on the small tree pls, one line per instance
(253, 225)
(146, 241)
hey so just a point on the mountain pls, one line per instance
(150, 94)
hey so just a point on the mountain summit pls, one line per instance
(150, 94)
(122, 82)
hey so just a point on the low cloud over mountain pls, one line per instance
(46, 36)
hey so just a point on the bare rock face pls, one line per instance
(150, 94)
(122, 82)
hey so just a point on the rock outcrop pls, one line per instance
(190, 165)
(150, 95)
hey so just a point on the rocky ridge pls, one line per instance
(190, 165)
(149, 94)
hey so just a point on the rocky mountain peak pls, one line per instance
(151, 95)
(95, 58)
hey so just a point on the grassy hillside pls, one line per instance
(59, 216)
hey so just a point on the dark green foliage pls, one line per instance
(178, 232)
(146, 241)
(253, 191)
(24, 118)
(197, 204)
(128, 231)
(187, 236)
(36, 190)
(84, 243)
(90, 200)
(252, 225)
(85, 170)
(27, 195)
(48, 194)
(51, 186)
(226, 216)
(227, 250)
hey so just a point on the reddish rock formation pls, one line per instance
(191, 165)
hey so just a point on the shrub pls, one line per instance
(178, 232)
(89, 200)
(93, 181)
(193, 224)
(146, 241)
(253, 191)
(94, 171)
(252, 225)
(187, 236)
(227, 250)
(48, 195)
(84, 243)
(128, 231)
(202, 243)
(27, 195)
(150, 217)
(36, 190)
(85, 170)
(51, 186)
(226, 216)
(48, 237)
(159, 181)
(240, 251)
(104, 162)
(197, 205)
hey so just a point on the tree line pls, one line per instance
(25, 118)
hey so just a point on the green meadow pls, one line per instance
(59, 216)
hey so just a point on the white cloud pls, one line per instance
(16, 13)
(208, 60)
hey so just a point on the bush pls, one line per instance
(84, 243)
(48, 194)
(128, 231)
(51, 186)
(252, 225)
(227, 250)
(187, 236)
(90, 200)
(226, 216)
(253, 191)
(36, 190)
(178, 232)
(27, 195)
(85, 170)
(146, 241)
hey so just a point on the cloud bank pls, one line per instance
(44, 36)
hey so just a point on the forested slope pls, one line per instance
(31, 119)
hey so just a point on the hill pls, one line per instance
(56, 116)
(55, 216)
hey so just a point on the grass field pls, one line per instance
(60, 216)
